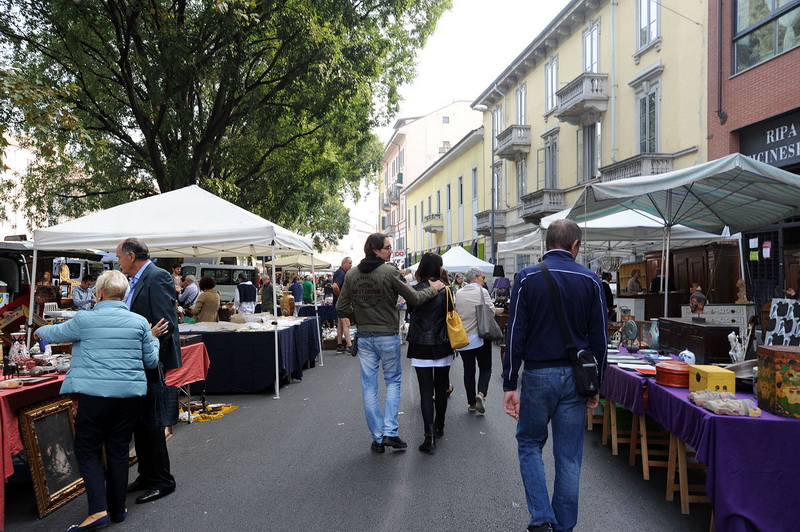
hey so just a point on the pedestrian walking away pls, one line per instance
(547, 388)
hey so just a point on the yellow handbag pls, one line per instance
(455, 329)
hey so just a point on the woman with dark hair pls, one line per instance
(206, 308)
(430, 352)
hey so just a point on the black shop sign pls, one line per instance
(775, 142)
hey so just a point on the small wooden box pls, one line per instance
(712, 378)
(191, 339)
(779, 380)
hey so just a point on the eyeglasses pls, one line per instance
(387, 248)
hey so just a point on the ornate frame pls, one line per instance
(48, 431)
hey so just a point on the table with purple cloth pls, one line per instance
(325, 312)
(753, 471)
(624, 387)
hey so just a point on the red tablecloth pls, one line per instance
(10, 438)
(195, 366)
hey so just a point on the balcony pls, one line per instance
(541, 203)
(483, 223)
(515, 140)
(394, 193)
(386, 205)
(391, 230)
(638, 165)
(433, 223)
(583, 99)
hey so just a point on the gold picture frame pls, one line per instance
(48, 431)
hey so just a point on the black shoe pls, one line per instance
(449, 390)
(153, 495)
(428, 445)
(544, 527)
(97, 523)
(339, 349)
(138, 485)
(438, 432)
(118, 518)
(348, 350)
(394, 442)
(377, 447)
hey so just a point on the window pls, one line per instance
(386, 176)
(648, 22)
(548, 163)
(460, 191)
(764, 29)
(589, 152)
(438, 202)
(648, 122)
(523, 261)
(521, 109)
(401, 159)
(550, 84)
(474, 182)
(445, 120)
(591, 53)
(522, 176)
(447, 197)
(497, 124)
(421, 211)
(430, 210)
(415, 215)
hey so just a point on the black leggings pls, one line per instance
(483, 355)
(433, 384)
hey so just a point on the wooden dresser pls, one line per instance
(708, 341)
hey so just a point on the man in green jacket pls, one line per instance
(369, 299)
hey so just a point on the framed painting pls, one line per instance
(48, 431)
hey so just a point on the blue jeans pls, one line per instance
(548, 396)
(383, 351)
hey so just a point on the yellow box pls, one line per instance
(715, 378)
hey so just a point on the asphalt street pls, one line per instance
(303, 463)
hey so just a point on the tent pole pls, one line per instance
(741, 258)
(29, 318)
(275, 308)
(316, 311)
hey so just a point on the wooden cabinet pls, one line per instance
(708, 341)
(738, 315)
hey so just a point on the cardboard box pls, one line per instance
(779, 380)
(713, 378)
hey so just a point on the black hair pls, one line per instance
(430, 266)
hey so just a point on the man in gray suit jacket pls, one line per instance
(152, 296)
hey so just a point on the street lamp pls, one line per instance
(482, 108)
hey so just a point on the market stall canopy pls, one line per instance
(734, 191)
(301, 261)
(624, 230)
(458, 259)
(217, 228)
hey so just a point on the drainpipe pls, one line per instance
(613, 89)
(721, 114)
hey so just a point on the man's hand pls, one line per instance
(511, 403)
(437, 284)
(593, 401)
(790, 292)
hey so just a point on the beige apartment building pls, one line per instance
(416, 143)
(607, 90)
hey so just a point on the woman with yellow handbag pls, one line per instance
(430, 351)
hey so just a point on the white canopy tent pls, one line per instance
(302, 262)
(219, 229)
(458, 259)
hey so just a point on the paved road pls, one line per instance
(302, 462)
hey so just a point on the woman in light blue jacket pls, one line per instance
(111, 348)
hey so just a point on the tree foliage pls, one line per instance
(268, 103)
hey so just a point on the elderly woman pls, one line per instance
(206, 308)
(458, 283)
(112, 346)
(480, 350)
(430, 352)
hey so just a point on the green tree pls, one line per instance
(269, 104)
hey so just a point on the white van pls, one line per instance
(78, 268)
(226, 276)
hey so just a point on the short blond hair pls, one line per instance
(113, 284)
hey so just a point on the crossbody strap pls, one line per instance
(572, 349)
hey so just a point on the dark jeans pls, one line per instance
(105, 421)
(433, 384)
(483, 355)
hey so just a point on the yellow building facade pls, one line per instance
(441, 202)
(608, 90)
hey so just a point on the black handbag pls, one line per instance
(488, 329)
(162, 402)
(584, 364)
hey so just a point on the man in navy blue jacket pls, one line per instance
(548, 392)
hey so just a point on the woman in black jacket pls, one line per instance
(430, 352)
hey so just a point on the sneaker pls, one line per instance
(377, 447)
(339, 349)
(348, 350)
(479, 406)
(471, 408)
(544, 527)
(394, 442)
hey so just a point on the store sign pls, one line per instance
(399, 255)
(775, 142)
